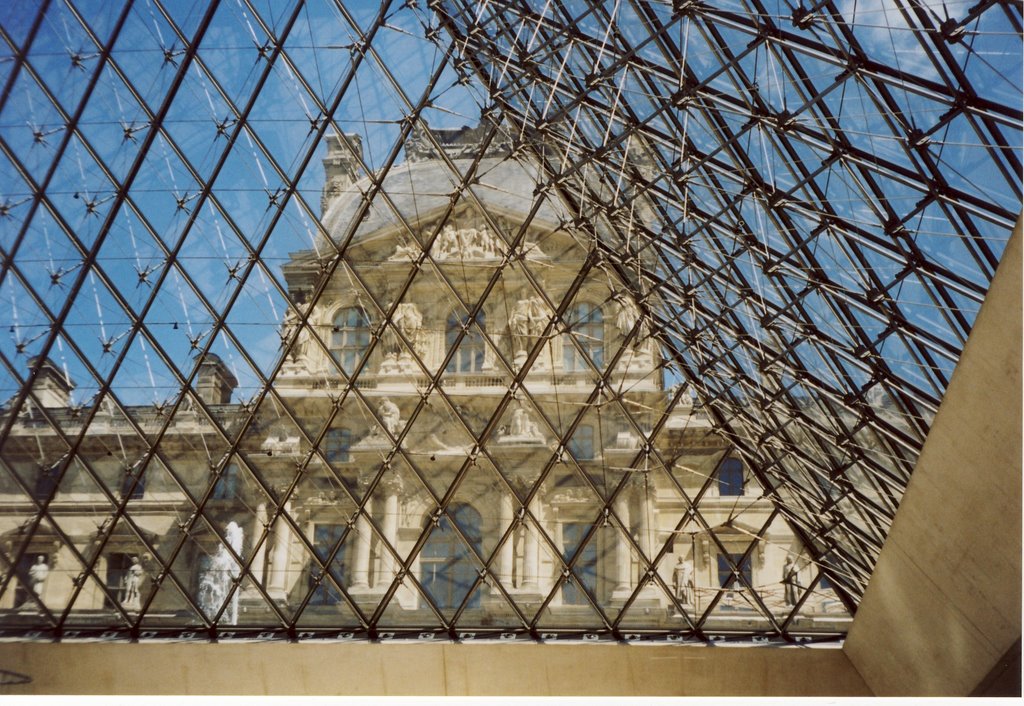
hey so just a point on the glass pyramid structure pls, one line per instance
(482, 320)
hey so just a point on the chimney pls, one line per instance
(51, 387)
(341, 167)
(215, 383)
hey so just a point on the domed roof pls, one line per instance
(419, 188)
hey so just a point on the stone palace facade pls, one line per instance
(407, 473)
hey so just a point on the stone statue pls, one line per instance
(528, 319)
(37, 574)
(390, 416)
(417, 146)
(627, 316)
(682, 581)
(791, 580)
(291, 322)
(131, 598)
(409, 321)
(215, 580)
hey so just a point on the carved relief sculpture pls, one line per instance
(522, 429)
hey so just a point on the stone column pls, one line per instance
(624, 569)
(364, 539)
(259, 560)
(278, 585)
(531, 569)
(506, 556)
(646, 512)
(393, 487)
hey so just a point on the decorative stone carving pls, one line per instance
(466, 244)
(215, 580)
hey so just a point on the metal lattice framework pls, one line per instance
(489, 381)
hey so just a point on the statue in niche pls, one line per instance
(522, 428)
(291, 322)
(682, 581)
(528, 319)
(790, 580)
(37, 574)
(215, 580)
(409, 321)
(131, 598)
(390, 416)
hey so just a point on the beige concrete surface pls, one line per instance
(429, 669)
(944, 602)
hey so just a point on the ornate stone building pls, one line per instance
(472, 431)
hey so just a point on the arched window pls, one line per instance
(582, 443)
(586, 324)
(469, 358)
(730, 477)
(337, 443)
(447, 570)
(350, 337)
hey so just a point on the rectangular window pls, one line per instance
(726, 578)
(730, 477)
(117, 569)
(227, 485)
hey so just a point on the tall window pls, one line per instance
(726, 579)
(585, 568)
(227, 485)
(117, 570)
(730, 477)
(137, 491)
(350, 337)
(447, 570)
(587, 325)
(337, 444)
(469, 358)
(581, 445)
(46, 483)
(325, 538)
